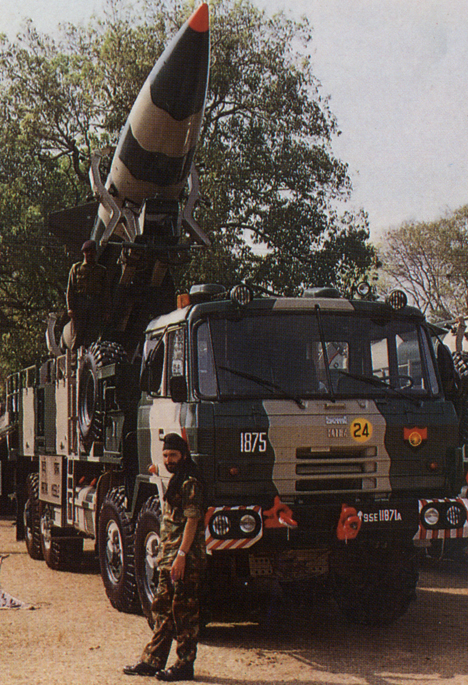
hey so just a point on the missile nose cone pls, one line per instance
(200, 21)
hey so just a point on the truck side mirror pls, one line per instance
(178, 388)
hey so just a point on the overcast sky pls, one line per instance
(396, 71)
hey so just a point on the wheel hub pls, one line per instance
(46, 528)
(151, 566)
(114, 552)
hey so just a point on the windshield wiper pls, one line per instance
(325, 353)
(379, 383)
(266, 384)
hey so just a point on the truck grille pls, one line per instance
(339, 471)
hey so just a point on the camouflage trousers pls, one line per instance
(176, 612)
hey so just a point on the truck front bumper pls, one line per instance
(442, 519)
(241, 527)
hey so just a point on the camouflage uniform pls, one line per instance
(88, 298)
(176, 607)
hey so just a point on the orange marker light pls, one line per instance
(183, 300)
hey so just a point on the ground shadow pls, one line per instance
(428, 642)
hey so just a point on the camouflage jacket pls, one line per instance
(87, 281)
(188, 504)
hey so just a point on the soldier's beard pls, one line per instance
(174, 468)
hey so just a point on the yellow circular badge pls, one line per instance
(361, 430)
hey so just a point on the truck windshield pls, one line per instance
(289, 355)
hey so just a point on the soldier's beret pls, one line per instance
(173, 441)
(88, 245)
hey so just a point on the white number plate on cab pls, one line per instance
(253, 442)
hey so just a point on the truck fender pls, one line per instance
(103, 486)
(144, 489)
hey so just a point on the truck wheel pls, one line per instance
(375, 591)
(32, 519)
(147, 539)
(116, 552)
(90, 418)
(60, 553)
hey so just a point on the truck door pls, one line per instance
(159, 413)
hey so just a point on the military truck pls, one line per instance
(328, 447)
(325, 428)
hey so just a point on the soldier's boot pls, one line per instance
(141, 668)
(180, 671)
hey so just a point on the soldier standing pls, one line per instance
(87, 296)
(181, 560)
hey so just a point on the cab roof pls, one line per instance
(296, 304)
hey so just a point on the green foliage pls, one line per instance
(430, 260)
(268, 175)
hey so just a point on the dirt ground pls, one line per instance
(74, 637)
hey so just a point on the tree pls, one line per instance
(268, 168)
(430, 260)
(269, 179)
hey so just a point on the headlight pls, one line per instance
(363, 289)
(220, 524)
(248, 523)
(236, 523)
(431, 516)
(397, 299)
(241, 295)
(455, 516)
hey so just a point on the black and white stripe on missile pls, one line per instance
(158, 143)
(154, 167)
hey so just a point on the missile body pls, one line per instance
(156, 147)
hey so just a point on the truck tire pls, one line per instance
(147, 540)
(374, 587)
(90, 415)
(32, 519)
(61, 548)
(116, 540)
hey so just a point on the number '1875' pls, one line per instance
(253, 442)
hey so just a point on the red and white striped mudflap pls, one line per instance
(216, 544)
(442, 533)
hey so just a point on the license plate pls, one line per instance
(393, 516)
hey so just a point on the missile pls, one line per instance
(139, 218)
(155, 151)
